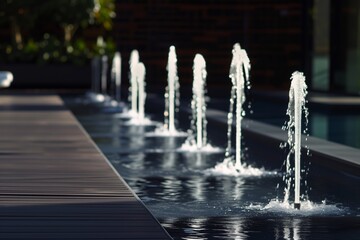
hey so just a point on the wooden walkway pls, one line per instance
(54, 182)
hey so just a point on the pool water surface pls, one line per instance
(192, 202)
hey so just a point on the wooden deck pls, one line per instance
(54, 182)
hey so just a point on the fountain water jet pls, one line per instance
(198, 102)
(116, 76)
(99, 81)
(297, 94)
(172, 91)
(140, 79)
(139, 118)
(137, 93)
(296, 108)
(112, 102)
(239, 75)
(133, 93)
(172, 101)
(104, 69)
(197, 140)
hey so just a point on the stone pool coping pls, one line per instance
(336, 152)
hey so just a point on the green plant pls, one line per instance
(51, 16)
(20, 15)
(70, 15)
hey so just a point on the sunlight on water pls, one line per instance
(227, 168)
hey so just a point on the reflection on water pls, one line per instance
(259, 228)
(289, 231)
(191, 204)
(169, 157)
(236, 230)
(238, 189)
(196, 227)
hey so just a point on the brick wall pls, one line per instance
(270, 30)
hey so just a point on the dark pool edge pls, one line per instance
(336, 152)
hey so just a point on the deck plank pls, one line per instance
(54, 182)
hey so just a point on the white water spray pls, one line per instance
(197, 135)
(198, 102)
(140, 79)
(172, 92)
(134, 60)
(172, 101)
(116, 75)
(239, 75)
(297, 94)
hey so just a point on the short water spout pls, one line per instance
(239, 75)
(134, 60)
(98, 93)
(172, 94)
(297, 94)
(140, 78)
(116, 76)
(198, 102)
(104, 69)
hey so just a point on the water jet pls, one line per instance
(296, 106)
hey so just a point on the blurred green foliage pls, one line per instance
(51, 31)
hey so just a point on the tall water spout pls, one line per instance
(239, 75)
(116, 75)
(140, 78)
(134, 60)
(104, 69)
(198, 102)
(172, 91)
(297, 94)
